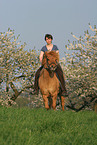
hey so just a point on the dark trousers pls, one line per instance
(60, 76)
(37, 74)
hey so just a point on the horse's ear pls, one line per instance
(58, 57)
(44, 60)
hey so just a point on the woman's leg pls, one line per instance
(37, 74)
(61, 79)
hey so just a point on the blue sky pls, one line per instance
(32, 19)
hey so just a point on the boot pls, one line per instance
(60, 76)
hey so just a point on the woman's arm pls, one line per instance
(41, 56)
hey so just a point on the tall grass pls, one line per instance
(25, 126)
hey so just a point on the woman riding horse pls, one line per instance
(48, 82)
(49, 47)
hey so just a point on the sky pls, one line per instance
(32, 19)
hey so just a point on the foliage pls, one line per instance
(80, 68)
(17, 65)
(38, 126)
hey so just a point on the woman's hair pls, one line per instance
(48, 36)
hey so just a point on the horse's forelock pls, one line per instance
(49, 55)
(52, 54)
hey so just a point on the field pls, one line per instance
(24, 126)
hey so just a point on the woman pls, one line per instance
(48, 47)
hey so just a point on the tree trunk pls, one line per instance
(7, 84)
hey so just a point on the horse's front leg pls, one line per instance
(62, 102)
(54, 99)
(45, 98)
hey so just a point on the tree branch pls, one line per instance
(18, 77)
(16, 93)
(86, 103)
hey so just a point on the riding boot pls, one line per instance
(36, 86)
(60, 76)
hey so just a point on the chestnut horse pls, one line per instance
(48, 82)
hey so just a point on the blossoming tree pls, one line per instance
(17, 66)
(80, 68)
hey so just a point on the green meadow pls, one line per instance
(25, 126)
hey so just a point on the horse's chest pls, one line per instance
(49, 83)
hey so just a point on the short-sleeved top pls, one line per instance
(44, 48)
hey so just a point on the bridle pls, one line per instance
(50, 67)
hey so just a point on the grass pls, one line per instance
(25, 126)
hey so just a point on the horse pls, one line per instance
(48, 81)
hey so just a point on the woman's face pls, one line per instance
(48, 40)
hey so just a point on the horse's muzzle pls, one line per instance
(52, 67)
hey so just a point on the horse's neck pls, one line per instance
(48, 73)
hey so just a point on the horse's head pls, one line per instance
(50, 60)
